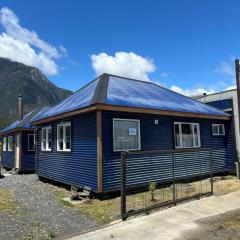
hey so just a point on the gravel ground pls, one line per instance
(40, 214)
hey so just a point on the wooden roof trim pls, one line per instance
(159, 112)
(65, 115)
(17, 130)
(129, 109)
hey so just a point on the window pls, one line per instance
(187, 135)
(218, 129)
(10, 143)
(4, 144)
(126, 134)
(46, 144)
(64, 137)
(31, 142)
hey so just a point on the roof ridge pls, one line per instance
(100, 93)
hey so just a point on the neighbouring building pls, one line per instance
(18, 142)
(79, 141)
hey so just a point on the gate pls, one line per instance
(152, 179)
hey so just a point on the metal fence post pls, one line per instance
(123, 185)
(173, 175)
(211, 170)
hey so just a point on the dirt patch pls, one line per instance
(220, 227)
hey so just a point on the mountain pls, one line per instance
(17, 78)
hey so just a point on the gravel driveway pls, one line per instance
(40, 215)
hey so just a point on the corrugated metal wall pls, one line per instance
(160, 167)
(78, 167)
(28, 157)
(161, 136)
(221, 104)
(8, 160)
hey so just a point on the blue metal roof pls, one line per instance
(82, 98)
(119, 91)
(25, 122)
(134, 93)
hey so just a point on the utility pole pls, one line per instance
(237, 68)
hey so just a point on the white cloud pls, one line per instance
(126, 64)
(191, 92)
(19, 44)
(226, 69)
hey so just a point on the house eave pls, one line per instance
(106, 107)
(16, 130)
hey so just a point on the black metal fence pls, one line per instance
(151, 179)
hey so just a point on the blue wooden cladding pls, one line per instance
(78, 167)
(221, 104)
(27, 157)
(161, 136)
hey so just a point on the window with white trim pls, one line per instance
(10, 143)
(64, 137)
(46, 141)
(31, 142)
(4, 144)
(187, 135)
(218, 129)
(126, 134)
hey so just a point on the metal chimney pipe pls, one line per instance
(20, 107)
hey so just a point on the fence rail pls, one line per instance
(151, 179)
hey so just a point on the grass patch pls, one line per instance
(102, 211)
(226, 184)
(109, 210)
(8, 204)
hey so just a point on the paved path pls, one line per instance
(167, 224)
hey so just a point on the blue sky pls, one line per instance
(188, 46)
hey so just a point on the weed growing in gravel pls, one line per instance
(8, 204)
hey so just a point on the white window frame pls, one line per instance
(64, 125)
(217, 125)
(139, 135)
(4, 144)
(31, 150)
(47, 140)
(180, 133)
(9, 148)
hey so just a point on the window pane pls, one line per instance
(126, 135)
(68, 137)
(196, 133)
(215, 129)
(221, 129)
(49, 138)
(44, 133)
(10, 143)
(60, 137)
(187, 135)
(44, 145)
(177, 135)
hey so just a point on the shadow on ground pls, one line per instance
(220, 227)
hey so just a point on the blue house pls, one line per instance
(18, 142)
(80, 140)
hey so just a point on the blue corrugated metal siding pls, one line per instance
(161, 136)
(221, 104)
(159, 167)
(28, 157)
(78, 167)
(7, 158)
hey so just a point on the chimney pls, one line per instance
(20, 107)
